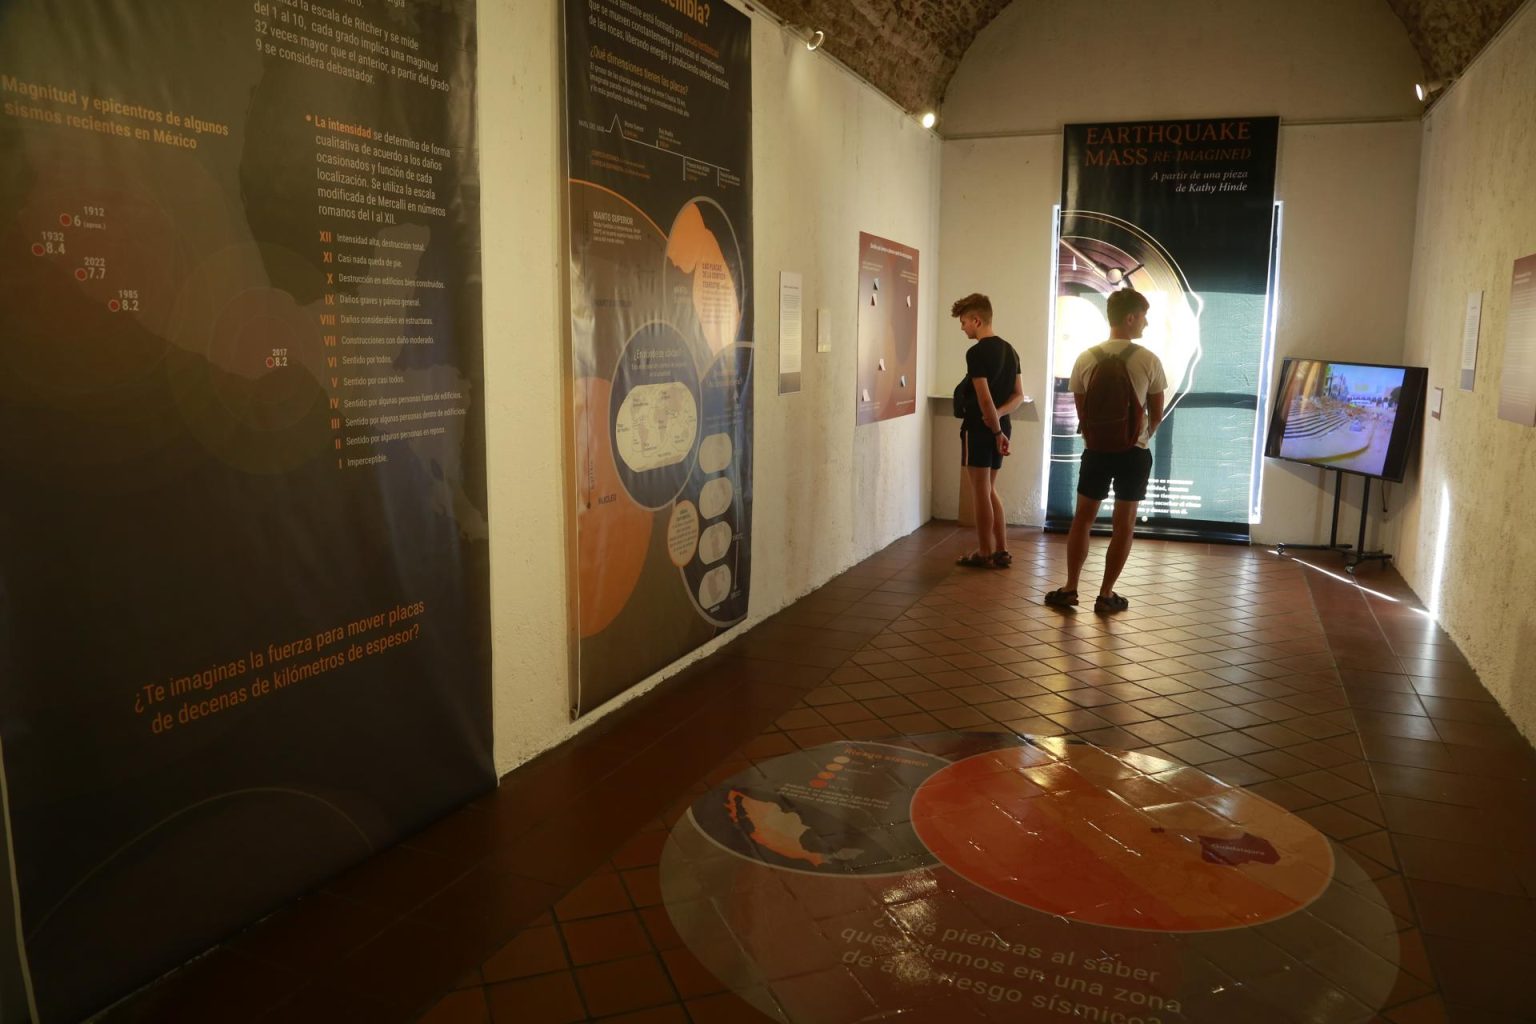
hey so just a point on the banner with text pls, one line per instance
(1182, 211)
(659, 108)
(244, 631)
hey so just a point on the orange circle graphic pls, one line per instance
(1118, 839)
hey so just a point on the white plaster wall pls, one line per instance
(1469, 547)
(1349, 189)
(522, 262)
(1347, 248)
(995, 228)
(831, 157)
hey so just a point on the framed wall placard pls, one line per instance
(791, 332)
(1471, 326)
(887, 366)
(1517, 382)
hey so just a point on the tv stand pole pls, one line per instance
(1352, 556)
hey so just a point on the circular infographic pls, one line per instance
(1001, 878)
(719, 566)
(614, 531)
(653, 414)
(845, 813)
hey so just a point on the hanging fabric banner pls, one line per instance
(244, 585)
(1183, 212)
(659, 130)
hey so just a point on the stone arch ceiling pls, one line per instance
(909, 49)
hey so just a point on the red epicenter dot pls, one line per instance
(113, 305)
(64, 220)
(79, 273)
(818, 783)
(825, 775)
(37, 249)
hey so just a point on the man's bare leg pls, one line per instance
(999, 520)
(980, 479)
(1119, 544)
(1077, 539)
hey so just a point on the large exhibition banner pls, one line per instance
(659, 129)
(1182, 211)
(244, 609)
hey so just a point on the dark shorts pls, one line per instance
(978, 448)
(1128, 470)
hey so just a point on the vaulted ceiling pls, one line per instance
(909, 49)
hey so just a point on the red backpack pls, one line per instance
(1110, 417)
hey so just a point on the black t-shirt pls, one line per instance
(994, 359)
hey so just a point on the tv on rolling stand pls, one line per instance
(1362, 418)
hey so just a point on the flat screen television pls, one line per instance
(1356, 417)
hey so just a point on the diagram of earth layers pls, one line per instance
(663, 433)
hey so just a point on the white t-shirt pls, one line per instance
(1143, 367)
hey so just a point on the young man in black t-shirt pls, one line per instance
(993, 369)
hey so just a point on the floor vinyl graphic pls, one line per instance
(992, 877)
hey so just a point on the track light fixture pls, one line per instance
(1424, 90)
(811, 37)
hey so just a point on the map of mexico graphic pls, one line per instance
(993, 877)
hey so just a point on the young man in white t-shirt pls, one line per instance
(1128, 470)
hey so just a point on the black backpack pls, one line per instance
(965, 397)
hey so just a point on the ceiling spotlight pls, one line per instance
(1424, 90)
(929, 119)
(814, 38)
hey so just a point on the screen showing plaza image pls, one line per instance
(1354, 417)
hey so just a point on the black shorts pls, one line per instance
(978, 448)
(1129, 470)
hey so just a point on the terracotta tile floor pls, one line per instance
(1342, 703)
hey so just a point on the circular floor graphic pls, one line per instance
(1119, 839)
(968, 877)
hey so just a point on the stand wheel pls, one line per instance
(1279, 549)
